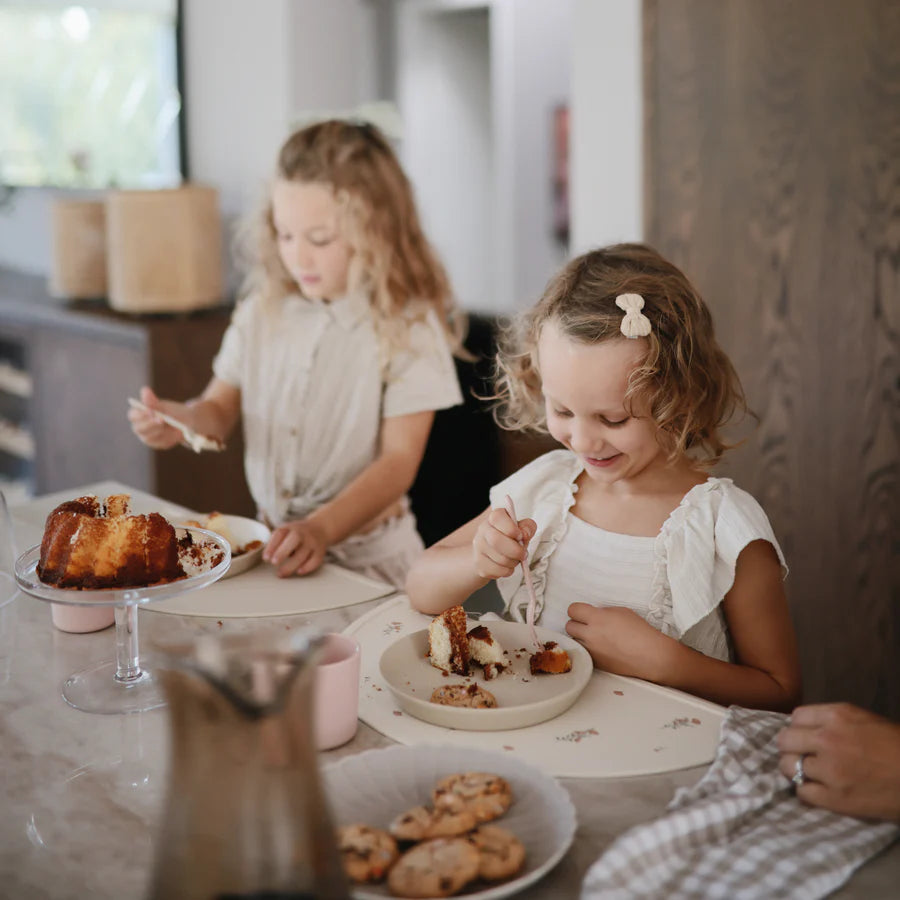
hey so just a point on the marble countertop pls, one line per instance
(81, 793)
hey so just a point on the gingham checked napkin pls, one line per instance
(740, 833)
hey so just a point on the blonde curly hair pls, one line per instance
(392, 259)
(686, 381)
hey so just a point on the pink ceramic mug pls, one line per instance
(81, 619)
(336, 704)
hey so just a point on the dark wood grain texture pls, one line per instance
(772, 174)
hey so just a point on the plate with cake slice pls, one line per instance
(247, 537)
(484, 676)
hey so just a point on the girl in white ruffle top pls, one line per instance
(661, 571)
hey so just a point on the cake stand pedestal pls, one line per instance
(118, 686)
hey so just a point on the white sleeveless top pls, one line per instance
(675, 581)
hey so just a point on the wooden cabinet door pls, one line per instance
(773, 179)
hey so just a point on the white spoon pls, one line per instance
(197, 442)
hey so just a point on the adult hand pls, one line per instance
(149, 429)
(851, 760)
(619, 640)
(499, 544)
(296, 548)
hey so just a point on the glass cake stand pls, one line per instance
(121, 685)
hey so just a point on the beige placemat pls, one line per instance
(618, 727)
(260, 592)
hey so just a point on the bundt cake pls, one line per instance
(485, 650)
(88, 544)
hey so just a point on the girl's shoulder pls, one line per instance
(723, 499)
(550, 476)
(720, 515)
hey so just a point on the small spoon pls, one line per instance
(529, 584)
(197, 442)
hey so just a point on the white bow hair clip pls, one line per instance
(635, 324)
(383, 114)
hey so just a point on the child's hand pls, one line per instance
(619, 640)
(149, 430)
(496, 549)
(296, 548)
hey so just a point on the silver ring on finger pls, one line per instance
(799, 776)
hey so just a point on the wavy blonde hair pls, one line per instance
(392, 259)
(686, 381)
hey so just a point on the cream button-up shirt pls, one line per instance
(314, 391)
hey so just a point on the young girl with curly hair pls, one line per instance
(660, 570)
(335, 360)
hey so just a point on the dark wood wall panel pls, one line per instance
(772, 168)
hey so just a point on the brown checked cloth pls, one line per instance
(739, 834)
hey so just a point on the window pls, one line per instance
(90, 94)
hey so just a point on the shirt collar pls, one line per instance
(349, 310)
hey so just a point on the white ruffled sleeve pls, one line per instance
(702, 541)
(543, 490)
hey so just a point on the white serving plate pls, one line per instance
(522, 698)
(375, 786)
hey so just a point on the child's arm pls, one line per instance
(766, 674)
(214, 414)
(299, 547)
(484, 549)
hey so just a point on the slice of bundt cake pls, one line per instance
(88, 544)
(485, 650)
(448, 646)
(550, 660)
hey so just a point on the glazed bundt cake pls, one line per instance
(88, 544)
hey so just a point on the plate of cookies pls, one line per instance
(436, 821)
(484, 676)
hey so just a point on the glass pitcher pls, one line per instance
(245, 814)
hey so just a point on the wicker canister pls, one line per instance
(79, 249)
(164, 249)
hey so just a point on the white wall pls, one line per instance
(606, 157)
(483, 78)
(533, 70)
(444, 94)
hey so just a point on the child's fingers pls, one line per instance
(528, 528)
(500, 520)
(581, 612)
(280, 545)
(577, 630)
(313, 563)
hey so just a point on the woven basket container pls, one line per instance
(78, 268)
(164, 249)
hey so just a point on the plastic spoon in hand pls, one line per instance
(529, 584)
(197, 442)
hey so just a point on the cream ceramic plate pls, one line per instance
(240, 532)
(376, 786)
(522, 698)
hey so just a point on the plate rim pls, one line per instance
(412, 704)
(475, 754)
